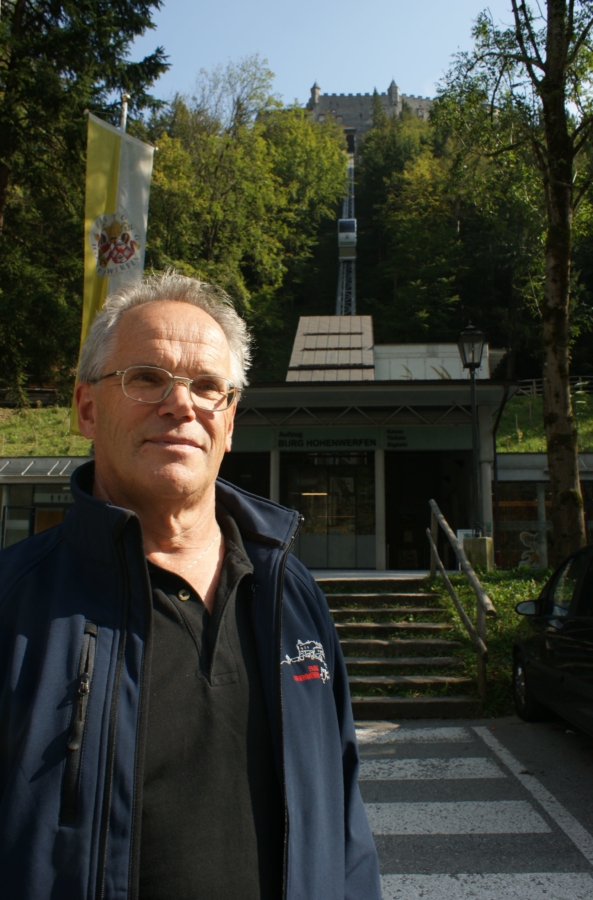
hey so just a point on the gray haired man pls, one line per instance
(160, 739)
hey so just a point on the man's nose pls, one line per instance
(180, 399)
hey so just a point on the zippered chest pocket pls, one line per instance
(71, 782)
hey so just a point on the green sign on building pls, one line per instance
(303, 440)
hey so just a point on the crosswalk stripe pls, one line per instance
(467, 817)
(377, 734)
(522, 886)
(423, 769)
(567, 822)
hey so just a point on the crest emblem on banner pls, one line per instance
(116, 244)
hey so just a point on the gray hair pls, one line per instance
(157, 289)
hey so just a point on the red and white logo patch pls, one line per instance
(306, 650)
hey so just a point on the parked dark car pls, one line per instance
(553, 649)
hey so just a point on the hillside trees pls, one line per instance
(56, 60)
(442, 241)
(240, 187)
(408, 248)
(526, 90)
(240, 184)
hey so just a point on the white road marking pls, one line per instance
(422, 769)
(565, 820)
(467, 817)
(522, 886)
(395, 735)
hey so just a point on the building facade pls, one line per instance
(358, 438)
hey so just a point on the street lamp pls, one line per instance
(471, 347)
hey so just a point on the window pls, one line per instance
(565, 583)
(585, 607)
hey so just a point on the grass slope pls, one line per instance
(39, 432)
(521, 428)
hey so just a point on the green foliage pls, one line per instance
(241, 186)
(505, 589)
(406, 256)
(56, 60)
(445, 237)
(453, 214)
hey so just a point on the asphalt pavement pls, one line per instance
(492, 809)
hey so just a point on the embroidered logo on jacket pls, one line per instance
(309, 650)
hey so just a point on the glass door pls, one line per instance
(336, 495)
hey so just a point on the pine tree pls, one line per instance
(57, 59)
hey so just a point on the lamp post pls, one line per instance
(471, 347)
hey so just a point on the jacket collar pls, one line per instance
(96, 525)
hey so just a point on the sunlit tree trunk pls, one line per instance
(561, 435)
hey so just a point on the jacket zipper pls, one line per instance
(71, 781)
(301, 519)
(104, 830)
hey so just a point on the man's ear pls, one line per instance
(84, 396)
(230, 428)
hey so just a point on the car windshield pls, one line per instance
(565, 582)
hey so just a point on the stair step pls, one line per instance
(400, 611)
(364, 585)
(418, 680)
(372, 599)
(415, 707)
(404, 645)
(383, 627)
(403, 662)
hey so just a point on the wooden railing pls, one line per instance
(533, 387)
(484, 605)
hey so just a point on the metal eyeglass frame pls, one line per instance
(176, 379)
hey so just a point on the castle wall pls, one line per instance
(355, 111)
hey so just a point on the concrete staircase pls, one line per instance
(402, 661)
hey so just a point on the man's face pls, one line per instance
(169, 450)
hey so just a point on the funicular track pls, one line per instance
(346, 293)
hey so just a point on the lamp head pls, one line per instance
(471, 346)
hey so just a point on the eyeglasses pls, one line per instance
(150, 384)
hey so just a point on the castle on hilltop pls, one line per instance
(354, 112)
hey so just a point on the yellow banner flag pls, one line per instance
(118, 172)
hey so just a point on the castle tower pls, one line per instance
(394, 94)
(315, 92)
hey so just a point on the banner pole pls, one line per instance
(124, 112)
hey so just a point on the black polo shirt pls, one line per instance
(213, 813)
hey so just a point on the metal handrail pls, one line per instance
(484, 605)
(474, 636)
(463, 561)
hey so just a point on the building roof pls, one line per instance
(39, 468)
(333, 348)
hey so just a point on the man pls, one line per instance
(174, 711)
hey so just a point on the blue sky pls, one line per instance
(346, 46)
